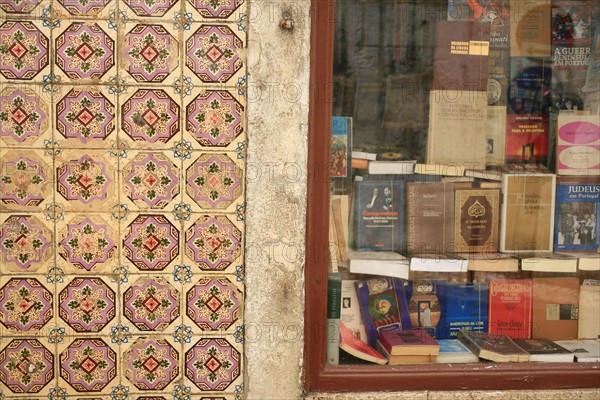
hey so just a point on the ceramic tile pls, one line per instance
(85, 52)
(26, 115)
(23, 10)
(151, 10)
(86, 117)
(150, 117)
(214, 182)
(84, 9)
(214, 54)
(26, 49)
(216, 10)
(214, 120)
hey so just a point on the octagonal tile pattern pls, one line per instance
(122, 198)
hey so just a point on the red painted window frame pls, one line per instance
(320, 377)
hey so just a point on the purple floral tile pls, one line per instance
(150, 55)
(24, 50)
(84, 52)
(213, 243)
(212, 54)
(150, 242)
(25, 116)
(26, 180)
(88, 365)
(215, 9)
(214, 303)
(19, 8)
(87, 304)
(152, 304)
(150, 180)
(85, 8)
(151, 364)
(212, 364)
(214, 119)
(26, 366)
(26, 243)
(151, 9)
(26, 305)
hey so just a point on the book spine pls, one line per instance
(334, 296)
(464, 339)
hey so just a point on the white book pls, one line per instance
(391, 167)
(384, 263)
(364, 155)
(587, 350)
(438, 263)
(453, 351)
(552, 262)
(350, 311)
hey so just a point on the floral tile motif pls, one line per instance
(89, 8)
(85, 181)
(150, 116)
(26, 366)
(151, 53)
(150, 180)
(18, 6)
(214, 9)
(151, 242)
(151, 304)
(84, 116)
(88, 365)
(23, 50)
(214, 304)
(87, 304)
(214, 181)
(213, 242)
(24, 116)
(151, 364)
(25, 305)
(25, 180)
(25, 242)
(84, 51)
(212, 364)
(151, 8)
(212, 53)
(214, 118)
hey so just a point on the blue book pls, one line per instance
(576, 214)
(378, 206)
(424, 304)
(341, 154)
(453, 351)
(463, 306)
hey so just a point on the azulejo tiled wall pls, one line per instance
(122, 190)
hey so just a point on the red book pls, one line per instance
(353, 345)
(526, 138)
(409, 342)
(510, 307)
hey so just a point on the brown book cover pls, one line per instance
(476, 220)
(461, 56)
(430, 216)
(527, 213)
(555, 308)
(530, 28)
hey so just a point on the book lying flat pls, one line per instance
(545, 350)
(353, 345)
(409, 342)
(405, 359)
(450, 169)
(491, 262)
(549, 262)
(586, 350)
(453, 351)
(391, 167)
(493, 347)
(444, 262)
(384, 263)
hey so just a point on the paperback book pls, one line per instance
(356, 347)
(544, 350)
(350, 311)
(383, 306)
(510, 307)
(463, 306)
(530, 28)
(453, 351)
(527, 138)
(409, 343)
(589, 310)
(341, 158)
(493, 346)
(578, 144)
(555, 312)
(423, 304)
(585, 350)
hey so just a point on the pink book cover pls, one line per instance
(418, 337)
(358, 348)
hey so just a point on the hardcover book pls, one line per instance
(463, 306)
(383, 306)
(492, 346)
(510, 307)
(555, 308)
(530, 28)
(453, 351)
(476, 220)
(577, 208)
(545, 350)
(341, 159)
(379, 216)
(423, 304)
(527, 213)
(527, 138)
(586, 350)
(578, 145)
(406, 359)
(589, 310)
(409, 342)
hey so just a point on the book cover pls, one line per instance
(510, 307)
(430, 217)
(577, 208)
(453, 351)
(350, 311)
(491, 262)
(545, 350)
(589, 310)
(383, 306)
(476, 220)
(406, 359)
(530, 88)
(492, 346)
(385, 263)
(585, 350)
(591, 89)
(438, 262)
(527, 212)
(356, 347)
(334, 293)
(463, 306)
(378, 216)
(423, 304)
(495, 128)
(409, 342)
(527, 138)
(341, 159)
(578, 145)
(555, 308)
(402, 110)
(530, 28)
